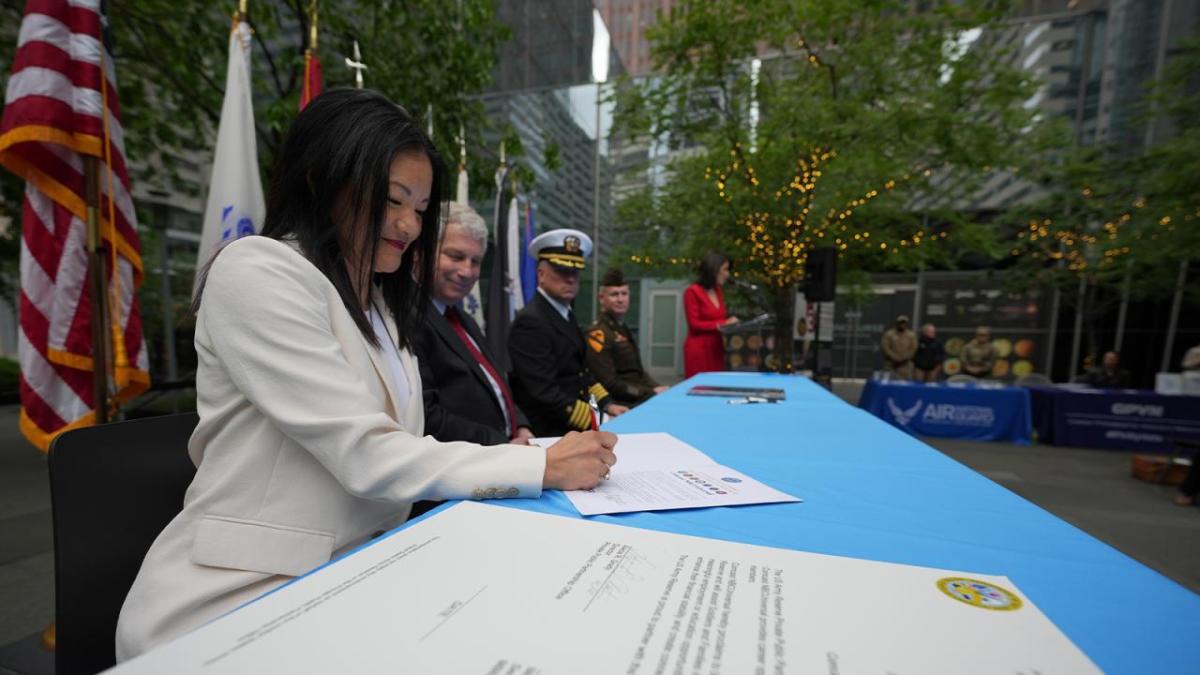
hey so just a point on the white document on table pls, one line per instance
(656, 471)
(483, 589)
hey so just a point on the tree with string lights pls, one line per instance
(802, 124)
(1108, 225)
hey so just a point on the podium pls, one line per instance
(748, 344)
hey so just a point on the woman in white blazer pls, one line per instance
(311, 418)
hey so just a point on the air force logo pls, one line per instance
(903, 417)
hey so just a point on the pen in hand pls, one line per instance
(595, 412)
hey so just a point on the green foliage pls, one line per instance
(1113, 220)
(873, 119)
(1168, 175)
(10, 372)
(12, 188)
(171, 60)
(867, 109)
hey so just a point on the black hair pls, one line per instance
(335, 164)
(710, 267)
(613, 277)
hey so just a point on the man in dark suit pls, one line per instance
(551, 381)
(466, 397)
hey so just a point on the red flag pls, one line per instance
(312, 78)
(61, 105)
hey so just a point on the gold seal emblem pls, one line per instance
(571, 244)
(980, 594)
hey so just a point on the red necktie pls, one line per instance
(456, 324)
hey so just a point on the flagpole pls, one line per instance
(96, 273)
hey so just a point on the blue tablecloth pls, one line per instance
(952, 411)
(872, 492)
(1123, 419)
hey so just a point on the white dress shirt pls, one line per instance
(564, 310)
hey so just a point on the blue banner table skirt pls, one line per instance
(972, 412)
(1122, 419)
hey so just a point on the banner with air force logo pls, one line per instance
(235, 206)
(952, 412)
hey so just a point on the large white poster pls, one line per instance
(487, 589)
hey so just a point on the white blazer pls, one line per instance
(301, 452)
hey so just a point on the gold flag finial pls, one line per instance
(242, 8)
(312, 25)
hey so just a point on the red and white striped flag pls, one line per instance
(61, 105)
(311, 86)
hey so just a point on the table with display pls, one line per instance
(980, 412)
(1120, 419)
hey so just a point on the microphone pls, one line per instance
(744, 284)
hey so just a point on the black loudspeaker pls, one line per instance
(820, 275)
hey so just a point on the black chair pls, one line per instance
(113, 488)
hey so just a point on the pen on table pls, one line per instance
(748, 399)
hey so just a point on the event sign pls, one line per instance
(952, 411)
(1120, 419)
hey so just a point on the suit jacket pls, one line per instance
(302, 451)
(460, 404)
(550, 380)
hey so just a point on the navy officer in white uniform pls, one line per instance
(550, 378)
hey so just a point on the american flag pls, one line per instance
(61, 105)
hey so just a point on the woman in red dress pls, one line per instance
(704, 305)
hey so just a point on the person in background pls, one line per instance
(1109, 374)
(311, 433)
(467, 398)
(550, 378)
(899, 345)
(928, 359)
(979, 355)
(1191, 359)
(612, 354)
(704, 306)
(1190, 486)
(803, 345)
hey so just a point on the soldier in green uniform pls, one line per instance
(612, 354)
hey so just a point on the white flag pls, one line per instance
(516, 297)
(235, 206)
(461, 196)
(472, 303)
